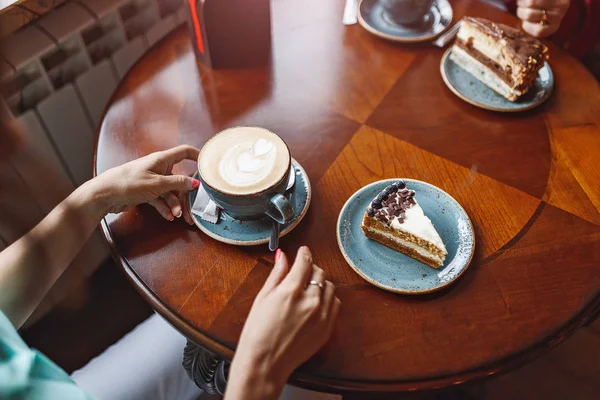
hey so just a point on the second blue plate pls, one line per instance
(471, 90)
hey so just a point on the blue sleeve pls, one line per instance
(29, 375)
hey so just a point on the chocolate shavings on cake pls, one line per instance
(391, 203)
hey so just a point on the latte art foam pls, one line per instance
(244, 160)
(248, 163)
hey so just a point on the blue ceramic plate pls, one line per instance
(465, 86)
(252, 233)
(373, 18)
(392, 270)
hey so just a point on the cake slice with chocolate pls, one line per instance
(503, 58)
(396, 220)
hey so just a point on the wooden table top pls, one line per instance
(355, 109)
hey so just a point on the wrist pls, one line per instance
(253, 377)
(92, 199)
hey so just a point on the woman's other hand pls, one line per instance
(289, 322)
(531, 12)
(148, 180)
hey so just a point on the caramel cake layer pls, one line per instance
(504, 74)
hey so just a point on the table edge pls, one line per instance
(329, 384)
(324, 383)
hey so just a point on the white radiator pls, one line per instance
(58, 75)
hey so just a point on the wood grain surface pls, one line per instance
(355, 109)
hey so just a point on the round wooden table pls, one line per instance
(355, 109)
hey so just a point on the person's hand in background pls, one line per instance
(289, 322)
(531, 12)
(148, 180)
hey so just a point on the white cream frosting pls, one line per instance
(417, 223)
(248, 162)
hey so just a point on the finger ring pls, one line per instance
(544, 20)
(319, 284)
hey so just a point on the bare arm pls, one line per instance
(31, 265)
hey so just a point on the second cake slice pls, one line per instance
(503, 58)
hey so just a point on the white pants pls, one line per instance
(146, 364)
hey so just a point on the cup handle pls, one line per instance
(281, 210)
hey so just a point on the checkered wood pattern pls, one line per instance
(355, 109)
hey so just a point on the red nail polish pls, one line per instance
(195, 183)
(277, 254)
(306, 247)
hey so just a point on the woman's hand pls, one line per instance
(289, 322)
(148, 180)
(531, 12)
